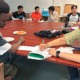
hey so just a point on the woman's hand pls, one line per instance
(52, 51)
(43, 46)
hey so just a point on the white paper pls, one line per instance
(44, 53)
(41, 21)
(66, 49)
(29, 19)
(74, 27)
(8, 39)
(26, 48)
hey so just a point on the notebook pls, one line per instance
(37, 54)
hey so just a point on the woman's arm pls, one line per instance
(56, 42)
(67, 56)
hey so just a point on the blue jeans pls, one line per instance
(74, 73)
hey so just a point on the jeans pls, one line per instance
(74, 73)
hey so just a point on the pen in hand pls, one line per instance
(43, 41)
(42, 45)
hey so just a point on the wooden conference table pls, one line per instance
(31, 40)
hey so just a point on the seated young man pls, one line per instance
(74, 16)
(5, 48)
(36, 16)
(67, 39)
(20, 14)
(53, 15)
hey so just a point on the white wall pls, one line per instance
(29, 4)
(61, 3)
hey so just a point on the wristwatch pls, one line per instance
(57, 54)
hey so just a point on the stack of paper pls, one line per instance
(26, 48)
(66, 49)
(41, 21)
(37, 54)
(74, 27)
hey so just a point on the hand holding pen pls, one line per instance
(43, 46)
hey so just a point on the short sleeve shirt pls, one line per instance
(54, 17)
(19, 16)
(73, 18)
(36, 16)
(4, 46)
(72, 36)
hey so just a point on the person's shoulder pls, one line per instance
(40, 13)
(78, 13)
(69, 14)
(32, 13)
(24, 12)
(56, 12)
(15, 12)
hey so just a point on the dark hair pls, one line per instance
(36, 7)
(20, 6)
(4, 7)
(51, 8)
(72, 7)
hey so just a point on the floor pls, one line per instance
(39, 70)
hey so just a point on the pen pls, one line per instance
(43, 41)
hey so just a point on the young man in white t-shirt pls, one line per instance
(74, 16)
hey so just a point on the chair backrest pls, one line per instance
(45, 12)
(67, 8)
(58, 9)
(1, 71)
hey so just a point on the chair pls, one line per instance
(67, 9)
(1, 71)
(57, 9)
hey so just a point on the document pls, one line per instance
(26, 48)
(37, 54)
(41, 21)
(74, 28)
(66, 49)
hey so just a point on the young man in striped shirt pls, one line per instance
(5, 48)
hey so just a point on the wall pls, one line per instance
(29, 4)
(61, 3)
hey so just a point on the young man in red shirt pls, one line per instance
(36, 16)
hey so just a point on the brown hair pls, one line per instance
(72, 7)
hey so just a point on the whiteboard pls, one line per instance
(29, 4)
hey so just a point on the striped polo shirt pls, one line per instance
(4, 46)
(72, 36)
